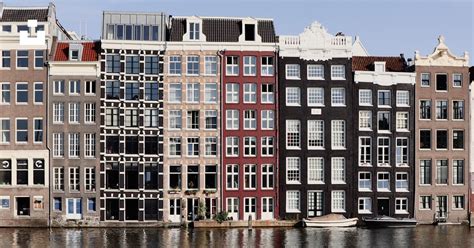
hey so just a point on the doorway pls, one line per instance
(383, 206)
(74, 208)
(131, 209)
(192, 207)
(441, 206)
(175, 210)
(112, 209)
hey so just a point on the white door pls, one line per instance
(175, 210)
(249, 208)
(74, 208)
(233, 208)
(267, 208)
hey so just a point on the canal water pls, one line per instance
(422, 236)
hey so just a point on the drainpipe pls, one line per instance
(220, 53)
(277, 136)
(46, 131)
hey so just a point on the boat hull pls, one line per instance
(378, 223)
(330, 223)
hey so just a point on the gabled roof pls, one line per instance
(24, 14)
(366, 63)
(90, 51)
(222, 29)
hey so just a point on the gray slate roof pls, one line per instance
(23, 15)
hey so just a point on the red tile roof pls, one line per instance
(392, 64)
(90, 51)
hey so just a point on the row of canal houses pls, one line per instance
(170, 119)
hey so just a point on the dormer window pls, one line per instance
(250, 32)
(74, 55)
(22, 28)
(379, 66)
(194, 30)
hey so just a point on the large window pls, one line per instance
(193, 177)
(5, 93)
(315, 170)
(401, 205)
(402, 121)
(151, 91)
(89, 113)
(315, 72)
(21, 130)
(365, 205)
(383, 151)
(232, 174)
(458, 202)
(192, 119)
(58, 144)
(338, 170)
(338, 201)
(442, 171)
(39, 58)
(22, 59)
(174, 94)
(193, 147)
(338, 72)
(267, 66)
(293, 133)
(175, 119)
(74, 145)
(365, 97)
(315, 134)
(365, 181)
(132, 91)
(211, 119)
(338, 134)
(425, 172)
(175, 65)
(151, 145)
(401, 152)
(38, 93)
(74, 112)
(112, 90)
(37, 130)
(22, 172)
(175, 147)
(292, 201)
(132, 64)
(292, 71)
(210, 146)
(4, 131)
(293, 96)
(315, 96)
(89, 178)
(338, 97)
(293, 170)
(112, 117)
(192, 65)
(250, 65)
(365, 120)
(383, 119)
(151, 117)
(267, 176)
(250, 176)
(21, 93)
(152, 65)
(232, 66)
(250, 146)
(6, 59)
(58, 178)
(210, 65)
(74, 179)
(131, 117)
(267, 147)
(268, 120)
(425, 109)
(425, 139)
(113, 63)
(6, 172)
(210, 93)
(458, 110)
(457, 80)
(268, 94)
(441, 139)
(384, 98)
(403, 98)
(458, 139)
(232, 146)
(442, 110)
(89, 145)
(458, 171)
(365, 151)
(232, 93)
(192, 92)
(175, 177)
(232, 119)
(194, 30)
(250, 93)
(383, 181)
(401, 181)
(425, 80)
(131, 144)
(210, 177)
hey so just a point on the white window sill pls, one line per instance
(293, 183)
(365, 129)
(294, 211)
(338, 210)
(338, 105)
(292, 78)
(383, 190)
(401, 212)
(402, 190)
(365, 190)
(365, 212)
(316, 182)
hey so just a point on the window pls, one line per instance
(425, 80)
(232, 176)
(112, 90)
(250, 65)
(151, 91)
(292, 96)
(58, 145)
(90, 87)
(365, 181)
(232, 66)
(441, 82)
(89, 178)
(292, 170)
(458, 110)
(338, 171)
(174, 119)
(194, 28)
(441, 139)
(210, 144)
(458, 171)
(21, 130)
(403, 98)
(4, 131)
(192, 93)
(21, 93)
(152, 65)
(365, 151)
(6, 59)
(425, 202)
(91, 206)
(365, 205)
(210, 93)
(132, 91)
(268, 95)
(74, 179)
(74, 113)
(338, 201)
(6, 173)
(175, 65)
(112, 117)
(22, 172)
(315, 72)
(383, 181)
(267, 176)
(7, 28)
(89, 113)
(338, 134)
(384, 98)
(250, 119)
(293, 129)
(267, 66)
(383, 121)
(74, 87)
(268, 120)
(132, 64)
(193, 147)
(401, 205)
(268, 149)
(338, 97)
(211, 119)
(316, 97)
(151, 145)
(22, 59)
(457, 80)
(210, 65)
(232, 93)
(131, 144)
(425, 139)
(292, 71)
(4, 93)
(401, 182)
(39, 59)
(112, 175)
(458, 139)
(89, 145)
(232, 146)
(365, 120)
(131, 117)
(175, 147)
(131, 176)
(38, 94)
(192, 65)
(193, 177)
(315, 134)
(292, 201)
(441, 171)
(250, 146)
(365, 97)
(338, 72)
(211, 177)
(112, 144)
(402, 121)
(383, 151)
(232, 119)
(458, 202)
(113, 63)
(74, 145)
(37, 130)
(58, 178)
(175, 177)
(250, 93)
(249, 36)
(192, 119)
(174, 93)
(250, 176)
(425, 172)
(315, 170)
(401, 153)
(442, 110)
(425, 109)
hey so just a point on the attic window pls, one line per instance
(74, 55)
(194, 29)
(379, 66)
(250, 32)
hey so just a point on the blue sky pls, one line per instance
(386, 27)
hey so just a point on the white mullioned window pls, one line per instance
(232, 93)
(293, 170)
(268, 93)
(338, 170)
(293, 96)
(58, 178)
(365, 181)
(315, 134)
(267, 66)
(232, 66)
(250, 146)
(402, 121)
(268, 120)
(250, 93)
(401, 205)
(58, 145)
(293, 201)
(89, 145)
(267, 148)
(365, 120)
(210, 65)
(365, 97)
(338, 134)
(403, 98)
(250, 120)
(192, 63)
(401, 182)
(293, 134)
(365, 205)
(74, 145)
(74, 179)
(315, 72)
(192, 93)
(89, 178)
(250, 65)
(232, 177)
(338, 72)
(315, 96)
(383, 181)
(89, 112)
(383, 151)
(232, 119)
(292, 71)
(210, 93)
(338, 97)
(175, 119)
(315, 170)
(401, 152)
(232, 146)
(365, 151)
(250, 176)
(58, 112)
(267, 176)
(338, 201)
(175, 93)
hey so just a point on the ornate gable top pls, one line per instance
(441, 56)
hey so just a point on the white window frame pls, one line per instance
(364, 184)
(293, 201)
(232, 117)
(315, 170)
(338, 72)
(293, 96)
(266, 95)
(210, 93)
(74, 113)
(58, 145)
(402, 122)
(173, 93)
(232, 93)
(338, 170)
(293, 128)
(250, 65)
(383, 182)
(232, 144)
(402, 152)
(232, 69)
(338, 207)
(89, 113)
(365, 97)
(384, 151)
(315, 135)
(250, 144)
(74, 145)
(315, 72)
(250, 93)
(293, 170)
(233, 175)
(401, 179)
(336, 100)
(74, 87)
(267, 119)
(364, 209)
(315, 96)
(89, 145)
(250, 119)
(338, 134)
(365, 120)
(268, 145)
(292, 72)
(210, 66)
(400, 202)
(402, 98)
(267, 69)
(193, 94)
(191, 60)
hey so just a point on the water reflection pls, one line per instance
(422, 236)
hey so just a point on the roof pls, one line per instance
(222, 29)
(366, 63)
(90, 51)
(24, 14)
